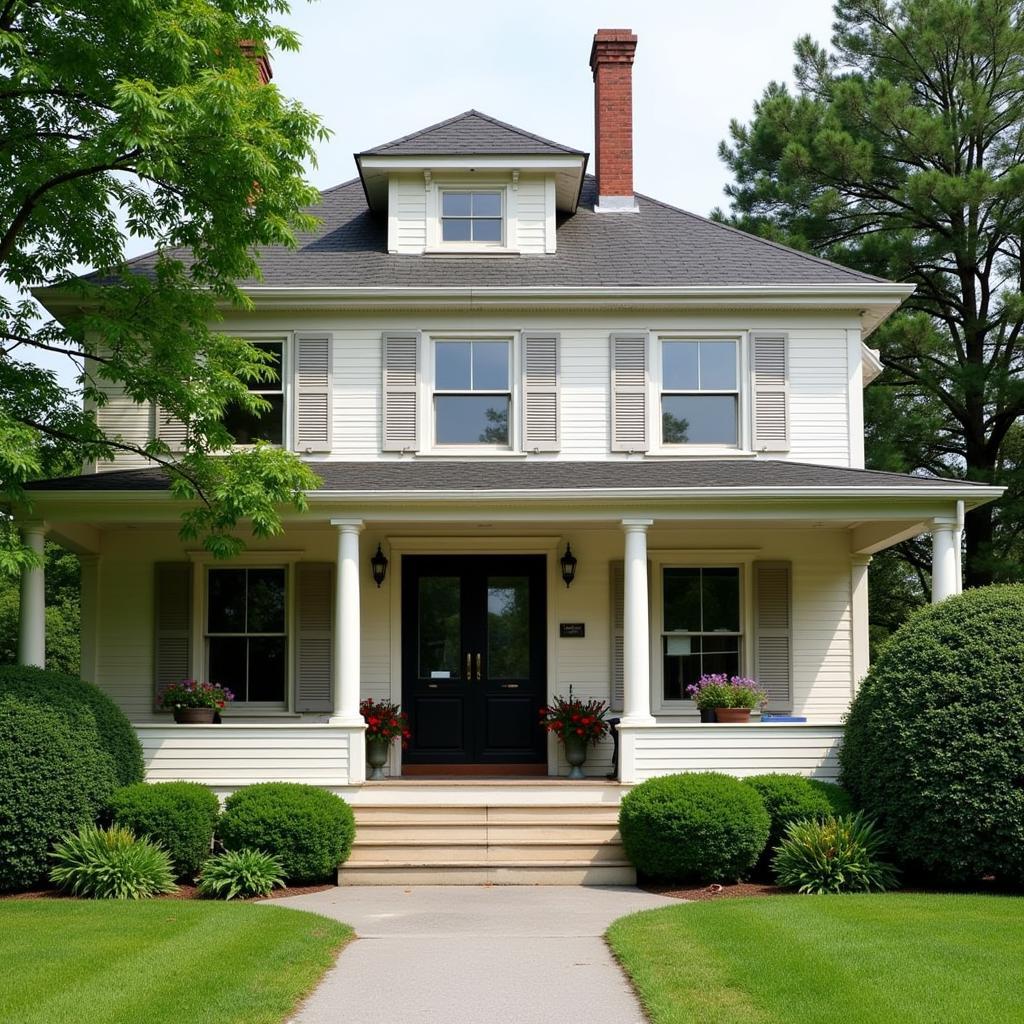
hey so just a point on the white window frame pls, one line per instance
(472, 183)
(428, 443)
(469, 191)
(661, 560)
(286, 388)
(743, 446)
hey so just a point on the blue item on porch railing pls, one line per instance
(783, 718)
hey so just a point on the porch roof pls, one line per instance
(441, 478)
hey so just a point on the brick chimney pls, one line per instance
(261, 60)
(611, 60)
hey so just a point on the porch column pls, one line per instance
(944, 576)
(32, 612)
(636, 709)
(345, 684)
(859, 619)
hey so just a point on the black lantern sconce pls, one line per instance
(568, 564)
(379, 565)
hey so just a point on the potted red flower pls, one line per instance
(384, 721)
(576, 723)
(195, 703)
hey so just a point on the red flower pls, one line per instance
(587, 720)
(575, 718)
(579, 732)
(373, 721)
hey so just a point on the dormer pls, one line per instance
(472, 186)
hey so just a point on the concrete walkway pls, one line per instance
(474, 955)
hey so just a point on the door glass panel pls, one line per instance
(440, 627)
(508, 627)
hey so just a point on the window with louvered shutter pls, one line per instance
(540, 392)
(401, 373)
(773, 632)
(313, 392)
(629, 393)
(172, 600)
(314, 603)
(169, 429)
(617, 604)
(770, 376)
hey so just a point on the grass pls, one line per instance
(872, 959)
(162, 962)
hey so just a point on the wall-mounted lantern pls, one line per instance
(379, 565)
(568, 564)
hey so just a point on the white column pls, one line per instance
(636, 626)
(32, 620)
(859, 619)
(944, 581)
(346, 624)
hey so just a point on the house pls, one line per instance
(496, 361)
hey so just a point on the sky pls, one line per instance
(376, 71)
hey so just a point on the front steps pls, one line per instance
(506, 833)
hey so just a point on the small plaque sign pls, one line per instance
(572, 629)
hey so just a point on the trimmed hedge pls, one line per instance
(308, 829)
(787, 798)
(181, 816)
(55, 775)
(701, 827)
(934, 744)
(57, 690)
(839, 799)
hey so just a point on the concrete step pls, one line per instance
(486, 792)
(559, 814)
(561, 872)
(426, 851)
(494, 830)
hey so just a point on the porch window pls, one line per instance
(699, 392)
(472, 397)
(246, 633)
(701, 631)
(471, 217)
(247, 427)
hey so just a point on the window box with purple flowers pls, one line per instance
(726, 699)
(195, 703)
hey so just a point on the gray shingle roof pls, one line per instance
(659, 246)
(499, 475)
(470, 132)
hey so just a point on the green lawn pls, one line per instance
(878, 959)
(179, 962)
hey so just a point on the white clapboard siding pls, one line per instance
(770, 391)
(313, 391)
(531, 215)
(122, 418)
(818, 397)
(231, 755)
(541, 414)
(400, 379)
(630, 431)
(410, 214)
(795, 749)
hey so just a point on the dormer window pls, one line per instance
(472, 217)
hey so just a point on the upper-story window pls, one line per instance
(472, 217)
(700, 392)
(472, 396)
(248, 427)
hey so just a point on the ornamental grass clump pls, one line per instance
(717, 690)
(240, 874)
(111, 864)
(833, 855)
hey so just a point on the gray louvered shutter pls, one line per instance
(172, 601)
(629, 393)
(401, 374)
(773, 632)
(770, 373)
(541, 429)
(169, 429)
(617, 579)
(314, 617)
(313, 392)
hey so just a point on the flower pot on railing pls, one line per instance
(195, 703)
(725, 699)
(195, 716)
(732, 715)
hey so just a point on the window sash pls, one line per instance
(473, 218)
(507, 394)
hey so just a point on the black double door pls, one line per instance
(474, 658)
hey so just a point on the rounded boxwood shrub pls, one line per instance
(57, 690)
(787, 798)
(55, 775)
(181, 816)
(839, 799)
(308, 829)
(701, 827)
(934, 743)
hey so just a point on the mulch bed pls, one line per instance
(713, 892)
(185, 892)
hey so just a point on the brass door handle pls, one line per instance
(478, 664)
(469, 666)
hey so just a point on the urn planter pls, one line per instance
(195, 716)
(377, 750)
(575, 754)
